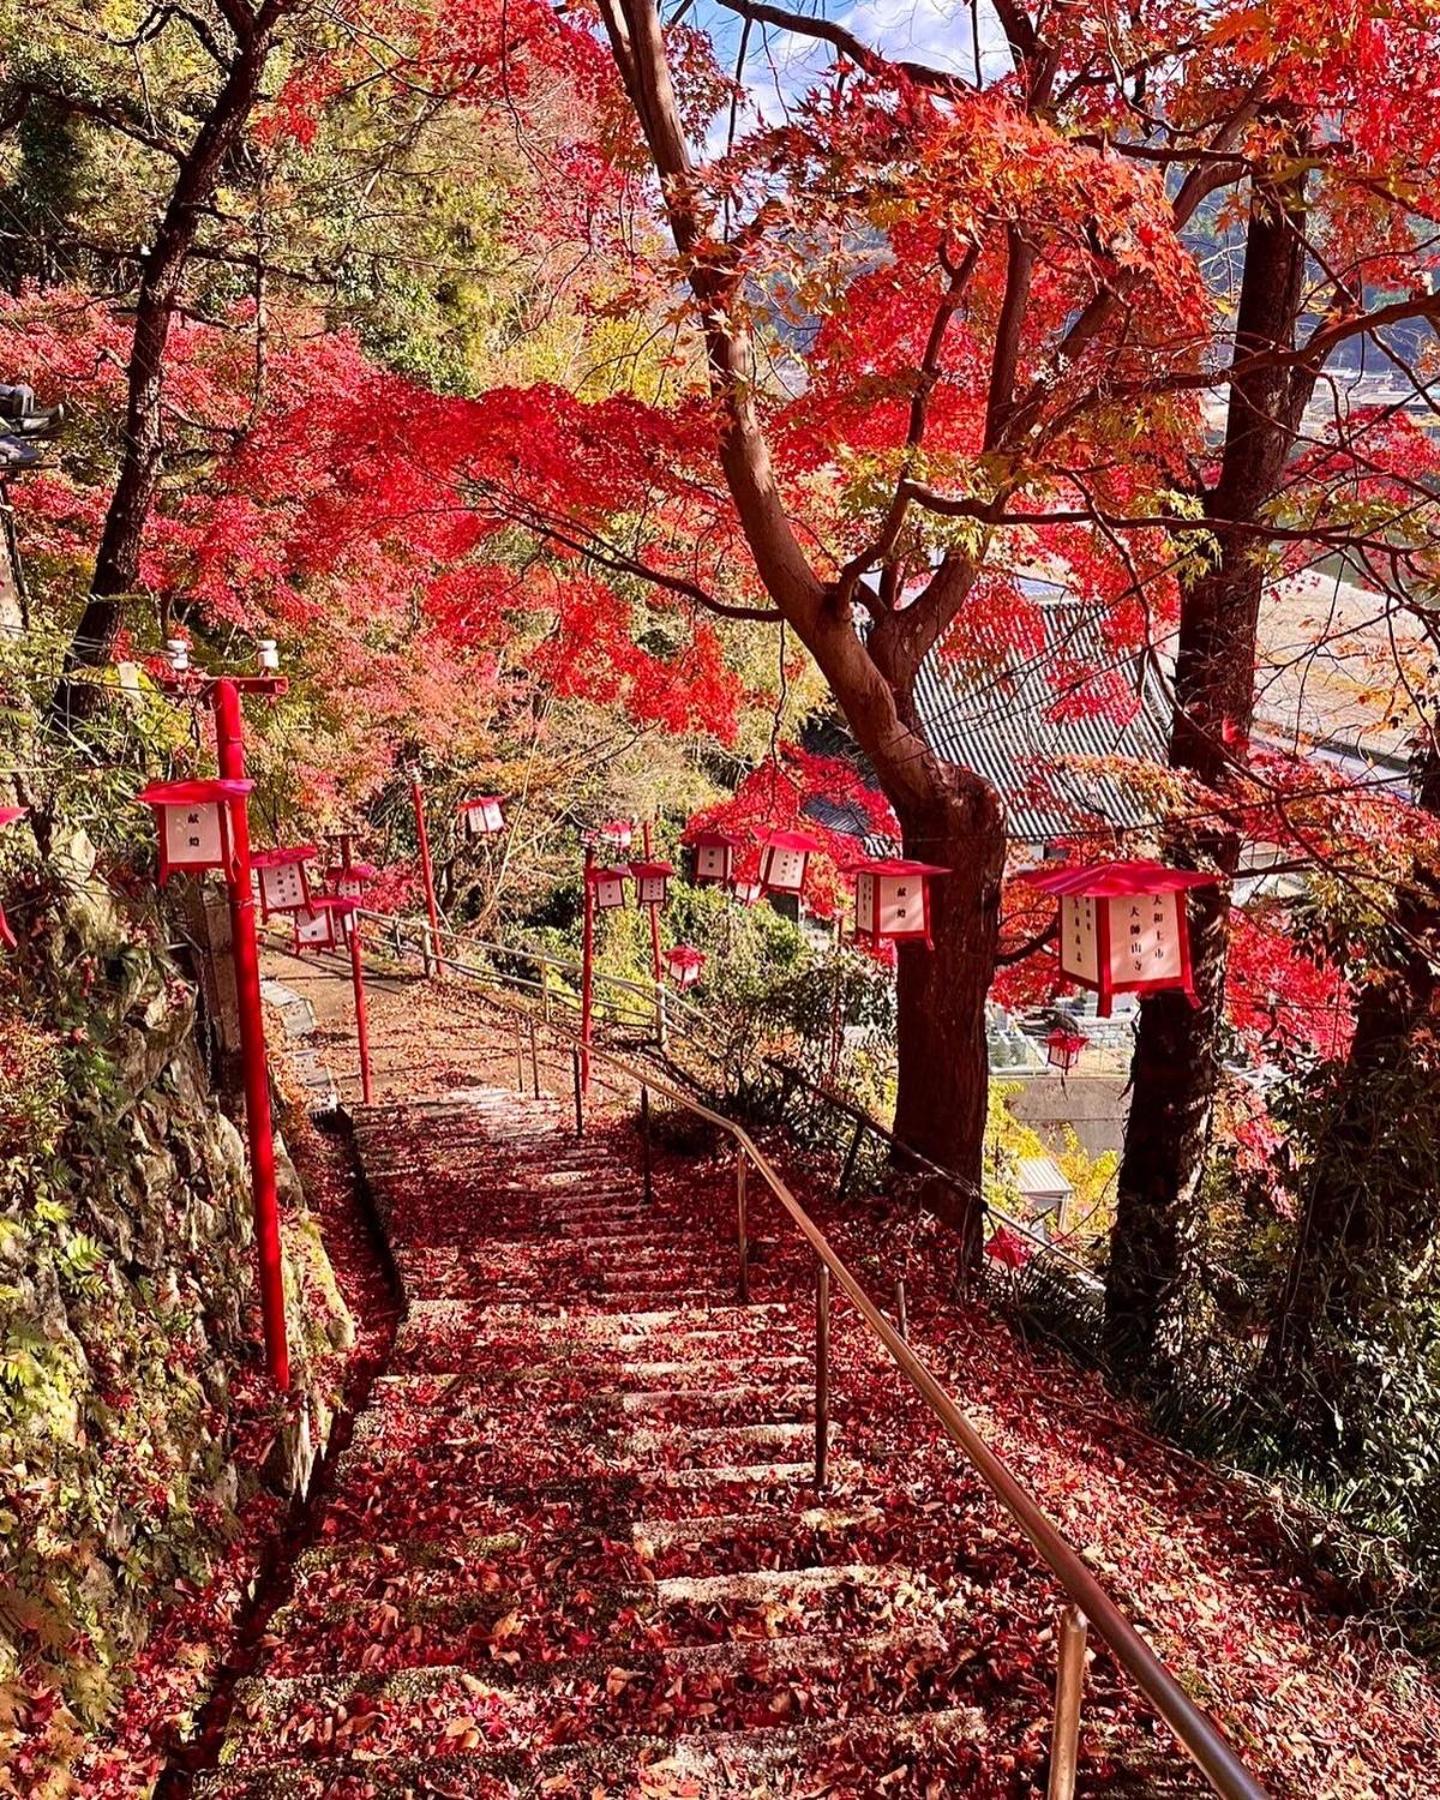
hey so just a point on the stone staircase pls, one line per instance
(575, 1547)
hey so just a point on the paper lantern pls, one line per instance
(746, 892)
(321, 924)
(284, 884)
(892, 900)
(1122, 926)
(784, 856)
(9, 816)
(712, 856)
(615, 834)
(483, 816)
(1063, 1049)
(348, 881)
(193, 820)
(608, 886)
(652, 882)
(683, 965)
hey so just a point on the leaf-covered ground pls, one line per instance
(576, 1547)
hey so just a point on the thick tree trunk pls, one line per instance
(117, 563)
(943, 1054)
(1176, 1069)
(1371, 1209)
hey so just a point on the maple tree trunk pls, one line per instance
(1176, 1067)
(117, 562)
(943, 1054)
(1371, 1207)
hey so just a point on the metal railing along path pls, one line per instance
(1089, 1604)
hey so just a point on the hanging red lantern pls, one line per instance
(652, 882)
(712, 855)
(784, 856)
(9, 815)
(892, 900)
(482, 816)
(322, 924)
(614, 834)
(1122, 926)
(1063, 1048)
(284, 882)
(683, 965)
(608, 886)
(193, 820)
(746, 892)
(348, 881)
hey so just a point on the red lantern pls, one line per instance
(8, 816)
(483, 816)
(1063, 1048)
(609, 886)
(284, 884)
(892, 900)
(713, 856)
(683, 965)
(348, 881)
(746, 892)
(615, 834)
(321, 924)
(193, 819)
(652, 882)
(783, 859)
(1122, 926)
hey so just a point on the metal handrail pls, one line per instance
(1202, 1741)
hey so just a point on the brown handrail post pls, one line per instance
(579, 1096)
(850, 1155)
(519, 1058)
(1069, 1685)
(741, 1238)
(902, 1311)
(645, 1143)
(822, 1376)
(534, 1062)
(545, 992)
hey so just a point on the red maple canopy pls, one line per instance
(9, 814)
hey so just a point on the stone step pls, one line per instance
(872, 1758)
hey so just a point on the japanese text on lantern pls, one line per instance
(1079, 939)
(1144, 938)
(193, 836)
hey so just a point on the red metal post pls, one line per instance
(230, 756)
(432, 964)
(357, 980)
(587, 970)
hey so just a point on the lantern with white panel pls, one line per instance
(321, 925)
(284, 882)
(1123, 928)
(746, 892)
(9, 815)
(712, 856)
(683, 965)
(892, 901)
(614, 834)
(1063, 1049)
(482, 816)
(193, 819)
(652, 882)
(784, 857)
(607, 886)
(348, 881)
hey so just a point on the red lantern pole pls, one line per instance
(587, 970)
(654, 920)
(427, 872)
(357, 981)
(230, 757)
